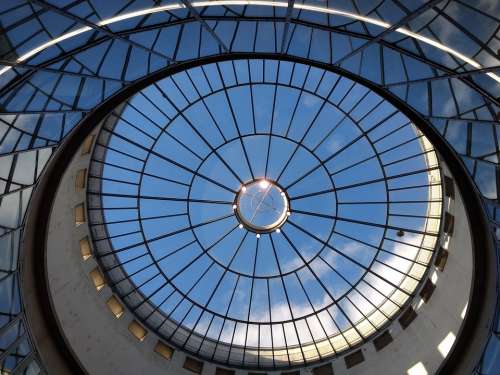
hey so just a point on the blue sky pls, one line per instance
(180, 151)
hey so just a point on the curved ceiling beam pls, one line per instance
(281, 4)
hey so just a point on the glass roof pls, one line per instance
(46, 92)
(361, 182)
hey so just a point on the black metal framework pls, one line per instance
(261, 206)
(37, 116)
(340, 137)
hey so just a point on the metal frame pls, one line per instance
(41, 204)
(130, 292)
(469, 156)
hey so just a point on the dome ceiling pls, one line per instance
(280, 211)
(439, 57)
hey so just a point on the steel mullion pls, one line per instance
(235, 121)
(171, 161)
(313, 121)
(170, 280)
(251, 296)
(347, 257)
(352, 142)
(289, 11)
(178, 325)
(316, 276)
(272, 123)
(445, 76)
(387, 202)
(200, 158)
(403, 21)
(129, 276)
(414, 187)
(117, 236)
(369, 223)
(193, 127)
(368, 182)
(119, 117)
(202, 98)
(353, 287)
(138, 219)
(92, 176)
(169, 234)
(226, 315)
(92, 25)
(144, 173)
(314, 311)
(219, 282)
(204, 24)
(112, 208)
(407, 157)
(162, 198)
(289, 306)
(308, 24)
(36, 68)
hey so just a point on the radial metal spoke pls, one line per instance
(175, 199)
(234, 264)
(166, 235)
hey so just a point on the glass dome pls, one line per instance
(263, 213)
(62, 60)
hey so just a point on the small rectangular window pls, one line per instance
(85, 250)
(449, 187)
(79, 214)
(326, 369)
(193, 365)
(87, 144)
(417, 369)
(382, 341)
(408, 316)
(223, 371)
(80, 179)
(137, 330)
(164, 350)
(449, 222)
(441, 258)
(115, 307)
(427, 290)
(97, 279)
(354, 359)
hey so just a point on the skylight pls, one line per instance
(263, 213)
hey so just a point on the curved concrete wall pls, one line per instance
(421, 348)
(102, 342)
(105, 345)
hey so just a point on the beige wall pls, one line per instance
(105, 346)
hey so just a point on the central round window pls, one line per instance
(263, 213)
(261, 206)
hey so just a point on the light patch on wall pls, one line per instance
(87, 144)
(79, 214)
(80, 179)
(464, 311)
(444, 346)
(418, 369)
(97, 278)
(434, 277)
(420, 303)
(115, 307)
(137, 330)
(85, 250)
(164, 350)
(446, 242)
